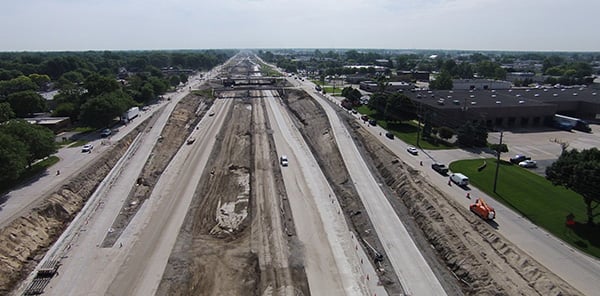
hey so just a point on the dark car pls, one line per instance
(518, 158)
(440, 168)
(364, 117)
(389, 135)
(373, 122)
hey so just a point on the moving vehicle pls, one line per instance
(412, 150)
(519, 158)
(482, 209)
(568, 123)
(87, 148)
(283, 160)
(105, 133)
(459, 179)
(440, 168)
(130, 114)
(528, 164)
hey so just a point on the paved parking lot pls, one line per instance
(543, 146)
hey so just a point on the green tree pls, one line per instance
(174, 80)
(13, 157)
(580, 172)
(41, 80)
(97, 85)
(6, 112)
(400, 107)
(445, 132)
(66, 110)
(27, 102)
(378, 102)
(21, 83)
(499, 148)
(101, 111)
(183, 78)
(472, 135)
(352, 94)
(442, 82)
(39, 140)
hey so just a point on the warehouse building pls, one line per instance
(506, 109)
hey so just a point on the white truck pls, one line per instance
(283, 160)
(459, 179)
(130, 114)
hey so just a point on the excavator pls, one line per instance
(482, 209)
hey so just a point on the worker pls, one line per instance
(421, 163)
(57, 172)
(468, 195)
(449, 182)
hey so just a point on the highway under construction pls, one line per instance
(220, 215)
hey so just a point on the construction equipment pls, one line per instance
(482, 209)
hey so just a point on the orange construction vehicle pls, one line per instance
(483, 210)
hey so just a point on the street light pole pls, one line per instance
(419, 124)
(497, 162)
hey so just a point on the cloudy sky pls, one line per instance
(548, 25)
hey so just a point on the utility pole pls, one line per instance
(419, 112)
(497, 163)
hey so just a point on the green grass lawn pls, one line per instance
(405, 131)
(536, 199)
(29, 173)
(329, 89)
(268, 71)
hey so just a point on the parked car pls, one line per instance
(87, 148)
(412, 150)
(364, 117)
(373, 122)
(528, 163)
(191, 141)
(389, 135)
(105, 133)
(518, 158)
(440, 168)
(211, 113)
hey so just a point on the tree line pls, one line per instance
(89, 91)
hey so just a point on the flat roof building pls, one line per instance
(512, 108)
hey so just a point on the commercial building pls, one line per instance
(392, 86)
(506, 109)
(470, 84)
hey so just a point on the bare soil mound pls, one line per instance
(212, 255)
(180, 124)
(484, 262)
(25, 240)
(311, 120)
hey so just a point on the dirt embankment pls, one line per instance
(312, 122)
(25, 240)
(186, 115)
(212, 255)
(483, 261)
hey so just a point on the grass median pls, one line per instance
(535, 198)
(404, 130)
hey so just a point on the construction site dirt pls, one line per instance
(238, 236)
